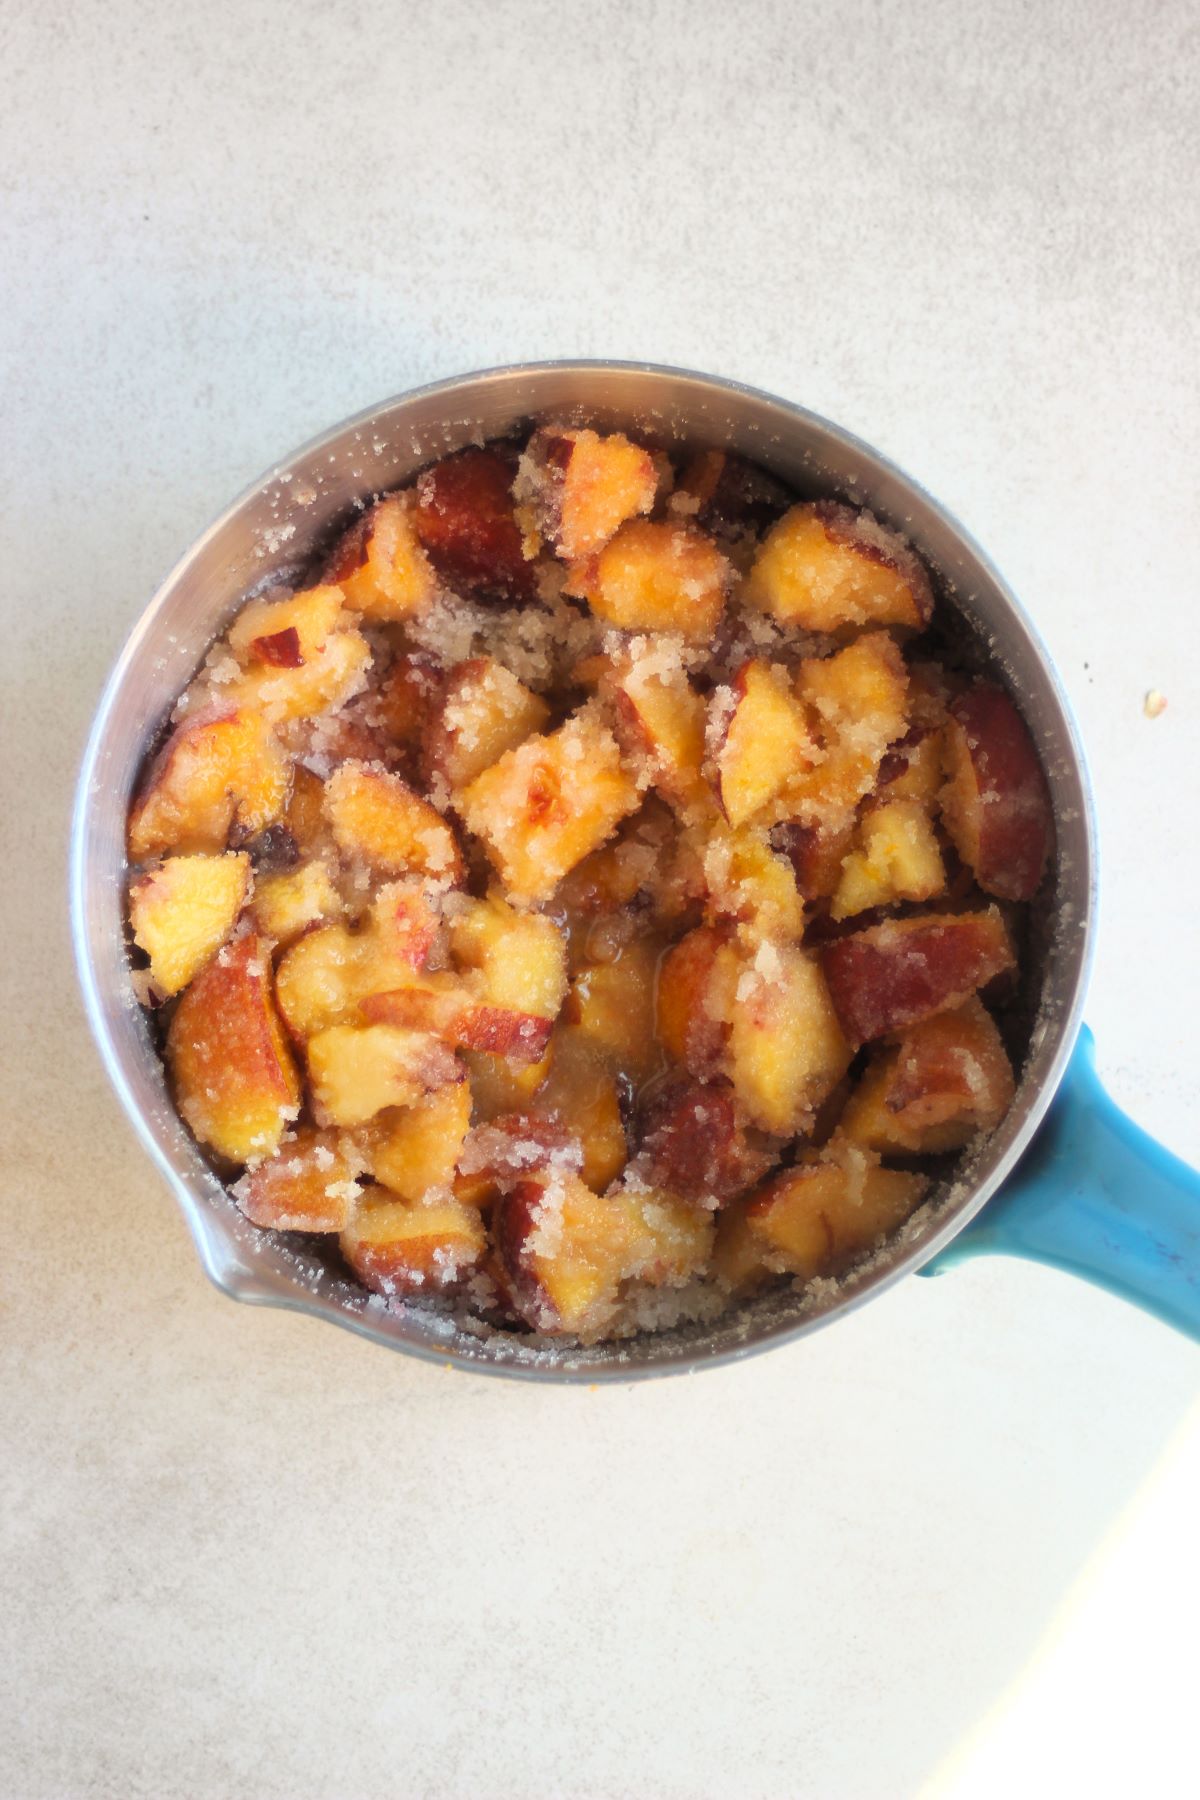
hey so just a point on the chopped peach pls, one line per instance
(482, 711)
(299, 656)
(661, 717)
(656, 576)
(221, 772)
(564, 1251)
(501, 1084)
(416, 1148)
(750, 883)
(816, 855)
(543, 806)
(612, 1005)
(894, 974)
(308, 1185)
(579, 487)
(912, 767)
(379, 820)
(786, 1050)
(288, 903)
(739, 1259)
(696, 987)
(856, 702)
(323, 976)
(182, 911)
(235, 1081)
(358, 1070)
(519, 960)
(465, 521)
(402, 706)
(758, 738)
(995, 804)
(818, 1217)
(673, 1239)
(826, 567)
(581, 1090)
(946, 1080)
(379, 563)
(897, 859)
(408, 1247)
(693, 1142)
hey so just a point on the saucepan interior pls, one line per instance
(271, 533)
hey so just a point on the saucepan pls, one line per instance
(1066, 1178)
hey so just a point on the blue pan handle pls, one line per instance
(1096, 1195)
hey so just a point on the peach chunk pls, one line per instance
(749, 883)
(400, 1247)
(912, 767)
(893, 974)
(378, 819)
(897, 859)
(826, 567)
(358, 1070)
(564, 1251)
(786, 1050)
(297, 655)
(947, 1079)
(612, 1005)
(235, 1082)
(582, 1092)
(693, 1142)
(323, 977)
(816, 854)
(286, 904)
(501, 1084)
(182, 912)
(482, 711)
(818, 1217)
(578, 487)
(995, 804)
(857, 703)
(401, 707)
(220, 772)
(379, 563)
(465, 521)
(543, 806)
(758, 738)
(656, 576)
(660, 717)
(696, 995)
(308, 1185)
(518, 968)
(416, 1148)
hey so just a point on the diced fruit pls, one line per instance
(379, 820)
(816, 855)
(401, 708)
(897, 859)
(912, 767)
(356, 1070)
(786, 1050)
(465, 522)
(379, 563)
(739, 1255)
(581, 1091)
(287, 904)
(893, 974)
(825, 567)
(565, 1250)
(946, 1080)
(579, 487)
(752, 885)
(416, 1148)
(400, 1247)
(696, 988)
(299, 656)
(693, 1142)
(995, 804)
(405, 924)
(323, 977)
(656, 576)
(235, 1081)
(182, 912)
(856, 701)
(481, 712)
(758, 739)
(818, 1217)
(730, 496)
(308, 1185)
(661, 717)
(517, 965)
(545, 805)
(612, 1005)
(220, 772)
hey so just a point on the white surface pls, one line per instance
(944, 1546)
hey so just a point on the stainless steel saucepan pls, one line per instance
(1082, 1187)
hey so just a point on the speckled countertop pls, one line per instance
(939, 1548)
